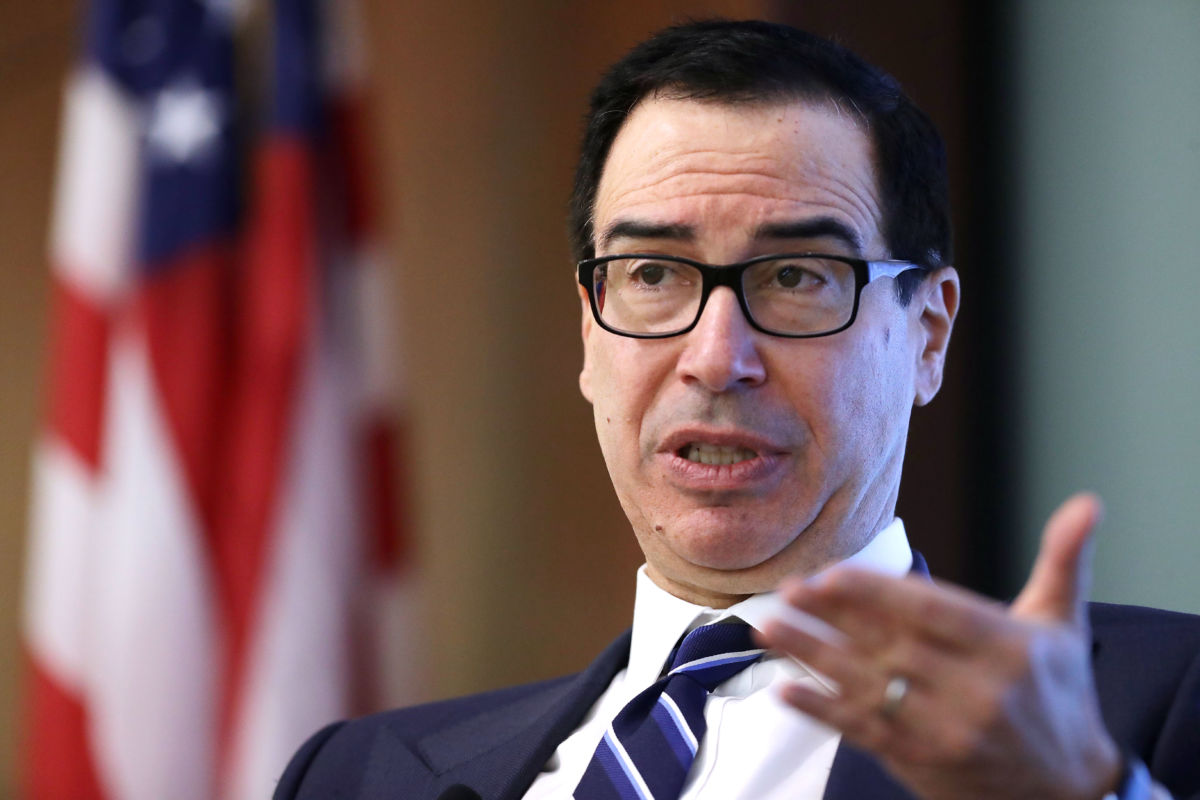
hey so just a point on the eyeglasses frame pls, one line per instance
(730, 275)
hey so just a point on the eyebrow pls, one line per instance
(633, 229)
(820, 227)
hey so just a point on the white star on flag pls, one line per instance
(185, 120)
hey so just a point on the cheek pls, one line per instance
(624, 380)
(884, 390)
(825, 390)
(855, 395)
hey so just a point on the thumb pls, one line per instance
(1058, 587)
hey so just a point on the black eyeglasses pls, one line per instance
(796, 295)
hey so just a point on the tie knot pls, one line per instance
(714, 653)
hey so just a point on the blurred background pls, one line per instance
(1074, 135)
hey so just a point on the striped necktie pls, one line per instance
(647, 750)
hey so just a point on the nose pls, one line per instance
(721, 352)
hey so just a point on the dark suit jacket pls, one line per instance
(1147, 667)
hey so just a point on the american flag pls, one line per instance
(215, 564)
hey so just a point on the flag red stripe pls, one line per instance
(349, 131)
(385, 552)
(184, 309)
(386, 501)
(78, 360)
(58, 763)
(273, 328)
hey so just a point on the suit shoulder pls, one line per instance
(1142, 658)
(295, 775)
(1147, 670)
(1139, 622)
(420, 719)
(329, 763)
(1135, 635)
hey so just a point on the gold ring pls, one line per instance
(893, 696)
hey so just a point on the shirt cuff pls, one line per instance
(1136, 784)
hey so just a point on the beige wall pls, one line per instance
(477, 109)
(35, 45)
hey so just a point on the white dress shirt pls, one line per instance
(756, 746)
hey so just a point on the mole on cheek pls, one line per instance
(658, 528)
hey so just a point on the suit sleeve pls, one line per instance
(289, 785)
(1176, 759)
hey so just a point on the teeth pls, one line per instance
(717, 454)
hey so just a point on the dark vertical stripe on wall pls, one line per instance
(993, 442)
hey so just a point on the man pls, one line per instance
(763, 237)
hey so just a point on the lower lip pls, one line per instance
(744, 475)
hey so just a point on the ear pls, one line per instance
(937, 301)
(587, 327)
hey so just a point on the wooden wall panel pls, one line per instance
(479, 110)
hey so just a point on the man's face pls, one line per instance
(815, 428)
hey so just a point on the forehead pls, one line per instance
(731, 170)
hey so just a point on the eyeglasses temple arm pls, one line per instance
(888, 269)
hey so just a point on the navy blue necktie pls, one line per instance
(647, 751)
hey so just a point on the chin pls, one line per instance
(721, 587)
(743, 548)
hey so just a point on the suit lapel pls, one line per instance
(500, 752)
(856, 775)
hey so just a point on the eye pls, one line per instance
(791, 276)
(650, 274)
(657, 275)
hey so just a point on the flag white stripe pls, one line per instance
(375, 313)
(91, 241)
(299, 661)
(58, 561)
(151, 649)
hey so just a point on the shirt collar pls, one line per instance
(660, 618)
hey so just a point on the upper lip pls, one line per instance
(721, 437)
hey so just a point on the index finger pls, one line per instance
(945, 613)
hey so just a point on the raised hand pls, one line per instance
(957, 695)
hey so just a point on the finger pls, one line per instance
(905, 735)
(844, 671)
(944, 614)
(930, 721)
(1058, 586)
(872, 632)
(863, 727)
(862, 628)
(863, 658)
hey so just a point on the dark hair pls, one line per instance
(735, 62)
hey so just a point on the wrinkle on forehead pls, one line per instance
(675, 156)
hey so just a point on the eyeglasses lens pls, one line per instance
(797, 295)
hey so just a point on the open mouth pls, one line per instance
(707, 459)
(715, 454)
